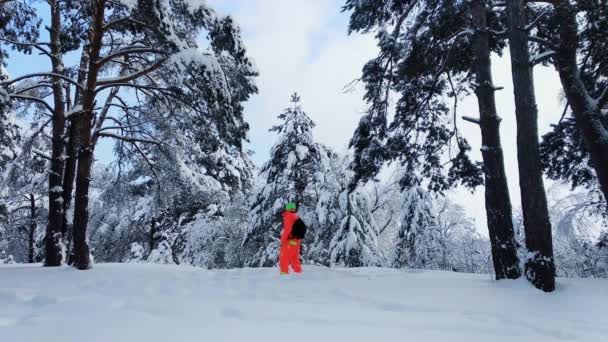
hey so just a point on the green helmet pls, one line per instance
(290, 206)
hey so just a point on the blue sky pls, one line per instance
(303, 46)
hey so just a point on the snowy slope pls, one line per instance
(143, 302)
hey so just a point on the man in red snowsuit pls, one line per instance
(290, 247)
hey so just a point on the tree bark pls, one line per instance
(540, 268)
(32, 232)
(587, 112)
(85, 154)
(498, 203)
(52, 240)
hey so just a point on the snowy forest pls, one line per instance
(166, 84)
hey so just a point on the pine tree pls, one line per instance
(355, 244)
(443, 51)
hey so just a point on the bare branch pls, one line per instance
(37, 46)
(36, 86)
(128, 139)
(128, 51)
(131, 77)
(603, 98)
(535, 21)
(543, 41)
(472, 120)
(131, 85)
(41, 74)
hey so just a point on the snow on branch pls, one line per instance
(41, 154)
(541, 57)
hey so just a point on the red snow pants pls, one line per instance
(290, 255)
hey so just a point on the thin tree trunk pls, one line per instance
(32, 232)
(498, 203)
(72, 154)
(52, 240)
(587, 112)
(540, 268)
(85, 154)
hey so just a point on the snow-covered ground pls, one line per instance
(143, 302)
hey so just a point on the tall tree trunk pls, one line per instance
(32, 232)
(72, 154)
(85, 154)
(587, 111)
(498, 203)
(540, 268)
(52, 241)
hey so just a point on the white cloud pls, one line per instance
(301, 46)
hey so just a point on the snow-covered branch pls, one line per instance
(41, 154)
(541, 57)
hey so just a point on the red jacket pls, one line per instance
(289, 217)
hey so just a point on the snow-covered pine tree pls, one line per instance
(289, 175)
(417, 244)
(25, 184)
(331, 180)
(355, 243)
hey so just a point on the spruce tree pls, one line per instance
(417, 238)
(355, 244)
